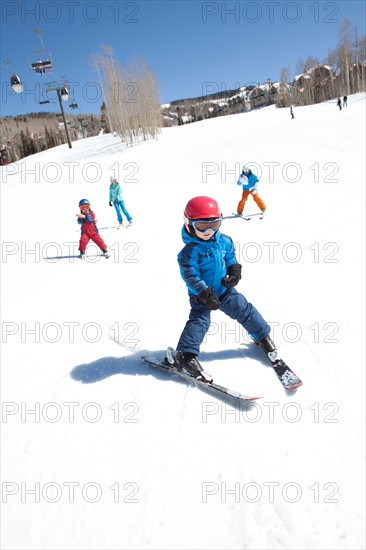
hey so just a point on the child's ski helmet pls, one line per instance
(84, 201)
(113, 179)
(201, 208)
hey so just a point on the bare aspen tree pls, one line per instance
(362, 52)
(97, 63)
(131, 98)
(284, 97)
(357, 87)
(331, 62)
(345, 52)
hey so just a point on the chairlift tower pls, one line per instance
(62, 95)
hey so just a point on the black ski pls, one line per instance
(287, 377)
(76, 256)
(207, 384)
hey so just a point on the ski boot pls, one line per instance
(269, 348)
(82, 255)
(188, 363)
(105, 253)
(288, 378)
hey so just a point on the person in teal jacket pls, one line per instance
(115, 199)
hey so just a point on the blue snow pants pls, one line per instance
(120, 206)
(236, 306)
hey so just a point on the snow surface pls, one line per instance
(99, 451)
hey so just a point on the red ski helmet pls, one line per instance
(201, 208)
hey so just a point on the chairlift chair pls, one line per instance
(16, 84)
(42, 66)
(64, 94)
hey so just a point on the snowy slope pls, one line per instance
(101, 452)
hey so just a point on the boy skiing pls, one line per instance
(86, 219)
(115, 197)
(249, 182)
(210, 270)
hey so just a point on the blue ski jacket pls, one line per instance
(204, 263)
(248, 182)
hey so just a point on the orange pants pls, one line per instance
(256, 199)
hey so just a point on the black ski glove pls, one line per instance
(110, 204)
(209, 299)
(233, 276)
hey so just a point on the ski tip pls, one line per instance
(294, 387)
(249, 399)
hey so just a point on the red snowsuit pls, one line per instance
(89, 231)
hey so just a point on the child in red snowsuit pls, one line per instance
(88, 229)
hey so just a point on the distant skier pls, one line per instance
(249, 183)
(292, 112)
(89, 229)
(345, 101)
(115, 198)
(339, 103)
(210, 270)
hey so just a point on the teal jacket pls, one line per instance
(115, 192)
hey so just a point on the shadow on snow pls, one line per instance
(133, 365)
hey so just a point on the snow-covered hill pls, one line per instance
(101, 452)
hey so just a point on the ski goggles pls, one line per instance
(204, 225)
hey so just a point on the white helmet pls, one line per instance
(113, 179)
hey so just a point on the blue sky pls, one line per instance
(193, 47)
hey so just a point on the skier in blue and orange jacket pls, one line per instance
(249, 183)
(210, 270)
